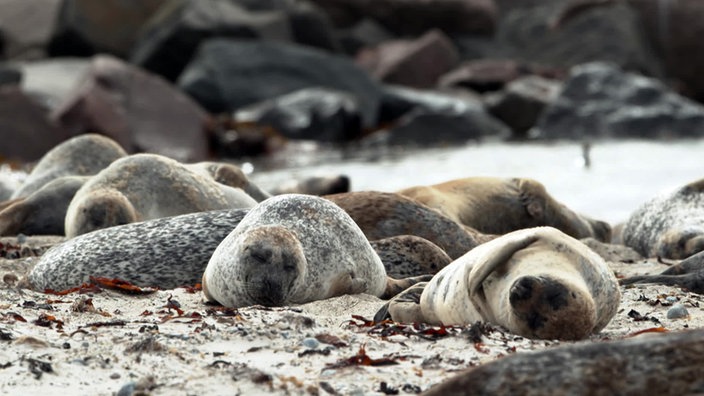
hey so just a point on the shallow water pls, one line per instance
(622, 175)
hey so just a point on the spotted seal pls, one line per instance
(670, 225)
(381, 215)
(293, 249)
(146, 186)
(536, 282)
(82, 155)
(229, 175)
(496, 206)
(42, 212)
(166, 252)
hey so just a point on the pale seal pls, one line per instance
(497, 206)
(537, 283)
(293, 249)
(82, 155)
(166, 253)
(382, 215)
(670, 225)
(42, 212)
(662, 364)
(229, 175)
(146, 186)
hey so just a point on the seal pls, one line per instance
(82, 155)
(381, 215)
(687, 274)
(314, 185)
(536, 282)
(588, 369)
(167, 252)
(229, 175)
(43, 212)
(146, 186)
(409, 255)
(293, 249)
(498, 206)
(670, 225)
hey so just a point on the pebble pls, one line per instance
(671, 299)
(678, 311)
(310, 343)
(127, 389)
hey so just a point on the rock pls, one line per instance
(600, 100)
(414, 17)
(86, 27)
(678, 311)
(170, 40)
(667, 364)
(51, 81)
(140, 111)
(365, 33)
(397, 101)
(486, 75)
(321, 114)
(522, 102)
(228, 74)
(10, 75)
(26, 26)
(26, 132)
(611, 33)
(417, 63)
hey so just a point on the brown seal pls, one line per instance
(497, 206)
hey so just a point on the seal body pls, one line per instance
(381, 215)
(293, 249)
(670, 225)
(166, 253)
(146, 186)
(229, 175)
(498, 206)
(538, 283)
(82, 155)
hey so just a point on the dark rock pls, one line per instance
(398, 101)
(140, 111)
(414, 17)
(27, 26)
(85, 27)
(662, 364)
(10, 75)
(52, 80)
(365, 33)
(229, 74)
(485, 74)
(522, 102)
(171, 38)
(416, 63)
(600, 100)
(321, 114)
(612, 33)
(26, 131)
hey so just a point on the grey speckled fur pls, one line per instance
(333, 245)
(663, 226)
(167, 252)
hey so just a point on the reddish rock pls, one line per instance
(415, 17)
(141, 111)
(26, 26)
(26, 131)
(416, 63)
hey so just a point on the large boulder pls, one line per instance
(85, 27)
(26, 131)
(320, 114)
(611, 33)
(141, 111)
(601, 100)
(414, 17)
(228, 74)
(416, 63)
(26, 27)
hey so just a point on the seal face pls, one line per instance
(83, 155)
(166, 253)
(498, 206)
(146, 186)
(292, 249)
(538, 283)
(669, 225)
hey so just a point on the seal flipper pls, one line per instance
(490, 262)
(396, 286)
(405, 307)
(693, 282)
